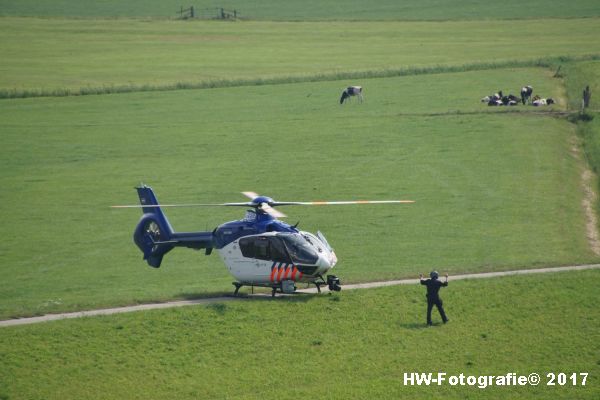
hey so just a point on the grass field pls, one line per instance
(577, 77)
(310, 9)
(58, 55)
(494, 190)
(357, 344)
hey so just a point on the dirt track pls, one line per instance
(212, 300)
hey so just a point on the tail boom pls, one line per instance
(154, 235)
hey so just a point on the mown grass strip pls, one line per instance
(319, 10)
(361, 341)
(546, 62)
(484, 184)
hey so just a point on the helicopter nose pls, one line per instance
(333, 258)
(327, 261)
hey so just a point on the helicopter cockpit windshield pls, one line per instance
(300, 249)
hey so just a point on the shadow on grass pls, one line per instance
(258, 295)
(201, 295)
(290, 298)
(419, 325)
(219, 308)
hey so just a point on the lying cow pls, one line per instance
(543, 102)
(492, 98)
(510, 100)
(352, 91)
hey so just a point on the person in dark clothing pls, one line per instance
(433, 298)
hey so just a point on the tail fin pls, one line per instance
(153, 233)
(148, 198)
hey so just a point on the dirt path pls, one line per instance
(142, 307)
(589, 199)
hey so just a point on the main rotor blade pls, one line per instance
(250, 195)
(268, 208)
(338, 203)
(187, 205)
(271, 211)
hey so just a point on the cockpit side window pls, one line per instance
(247, 247)
(261, 249)
(278, 251)
(264, 248)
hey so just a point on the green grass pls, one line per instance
(577, 77)
(356, 344)
(310, 9)
(58, 55)
(547, 62)
(494, 190)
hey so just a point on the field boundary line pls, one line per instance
(546, 62)
(494, 111)
(213, 300)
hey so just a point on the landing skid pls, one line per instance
(332, 282)
(318, 285)
(237, 287)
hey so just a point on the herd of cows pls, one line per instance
(496, 99)
(499, 99)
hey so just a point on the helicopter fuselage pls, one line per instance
(262, 251)
(265, 260)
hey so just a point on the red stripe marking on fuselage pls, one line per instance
(281, 269)
(272, 272)
(294, 273)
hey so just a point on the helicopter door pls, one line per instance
(264, 251)
(256, 254)
(252, 248)
(270, 251)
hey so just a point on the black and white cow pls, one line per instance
(526, 92)
(543, 102)
(493, 98)
(510, 100)
(352, 91)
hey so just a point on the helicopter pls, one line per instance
(258, 250)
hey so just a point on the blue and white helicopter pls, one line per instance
(258, 250)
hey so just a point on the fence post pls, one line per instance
(191, 11)
(234, 14)
(587, 94)
(557, 73)
(222, 13)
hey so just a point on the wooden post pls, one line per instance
(234, 14)
(557, 73)
(191, 11)
(222, 14)
(587, 94)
